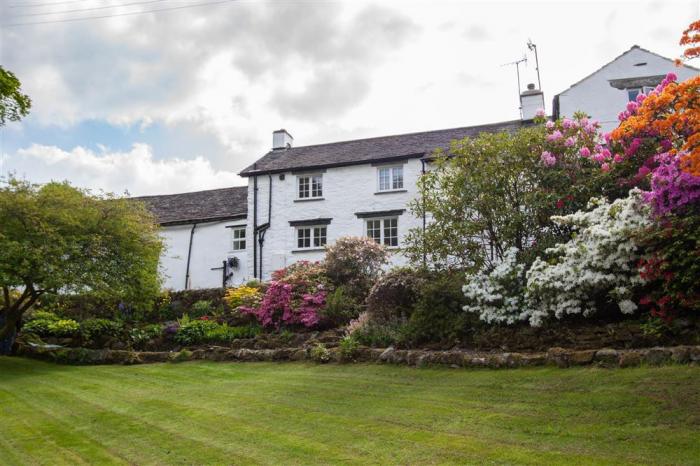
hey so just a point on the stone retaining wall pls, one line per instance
(559, 357)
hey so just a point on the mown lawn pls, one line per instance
(232, 413)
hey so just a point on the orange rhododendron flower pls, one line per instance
(673, 116)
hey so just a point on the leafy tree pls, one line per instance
(495, 192)
(13, 104)
(59, 239)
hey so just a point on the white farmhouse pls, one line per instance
(205, 237)
(302, 198)
(299, 199)
(604, 93)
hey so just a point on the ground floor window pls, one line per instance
(311, 237)
(384, 230)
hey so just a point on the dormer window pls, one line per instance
(310, 186)
(390, 178)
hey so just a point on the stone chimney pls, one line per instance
(281, 139)
(531, 100)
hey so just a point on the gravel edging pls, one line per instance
(559, 357)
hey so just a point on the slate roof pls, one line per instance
(200, 206)
(361, 151)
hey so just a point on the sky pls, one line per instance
(184, 98)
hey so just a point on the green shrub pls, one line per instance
(340, 308)
(38, 322)
(43, 315)
(320, 353)
(38, 326)
(380, 334)
(52, 328)
(139, 336)
(225, 334)
(201, 308)
(194, 332)
(394, 295)
(348, 348)
(93, 329)
(438, 315)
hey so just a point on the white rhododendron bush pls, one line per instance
(597, 264)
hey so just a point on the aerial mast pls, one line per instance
(517, 71)
(533, 48)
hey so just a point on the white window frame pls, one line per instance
(382, 238)
(395, 178)
(314, 186)
(318, 236)
(238, 242)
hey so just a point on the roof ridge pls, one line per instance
(401, 134)
(191, 192)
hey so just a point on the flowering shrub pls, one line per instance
(355, 263)
(659, 138)
(598, 263)
(357, 324)
(394, 294)
(244, 295)
(295, 296)
(671, 267)
(498, 296)
(320, 353)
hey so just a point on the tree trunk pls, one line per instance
(7, 341)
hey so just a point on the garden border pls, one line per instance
(559, 357)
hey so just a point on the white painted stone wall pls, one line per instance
(211, 245)
(346, 190)
(595, 96)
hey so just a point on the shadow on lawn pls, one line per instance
(14, 367)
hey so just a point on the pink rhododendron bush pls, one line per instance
(321, 294)
(295, 296)
(636, 249)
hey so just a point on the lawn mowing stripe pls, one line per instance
(264, 427)
(380, 420)
(113, 422)
(399, 414)
(50, 424)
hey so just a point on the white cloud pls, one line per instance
(324, 71)
(135, 171)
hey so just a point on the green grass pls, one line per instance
(230, 413)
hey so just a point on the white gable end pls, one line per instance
(603, 94)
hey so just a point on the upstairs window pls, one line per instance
(384, 230)
(390, 178)
(311, 237)
(633, 93)
(238, 238)
(310, 186)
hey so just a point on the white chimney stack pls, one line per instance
(531, 100)
(281, 139)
